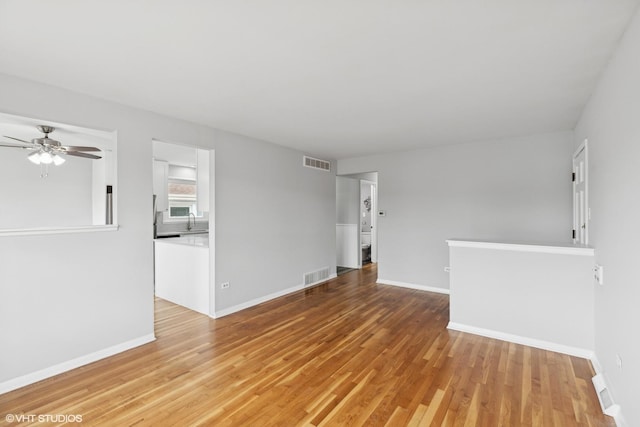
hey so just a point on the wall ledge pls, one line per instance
(58, 230)
(551, 248)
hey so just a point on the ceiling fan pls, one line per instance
(45, 151)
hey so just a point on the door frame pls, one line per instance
(583, 147)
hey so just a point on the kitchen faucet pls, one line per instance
(189, 226)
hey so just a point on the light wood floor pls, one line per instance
(348, 352)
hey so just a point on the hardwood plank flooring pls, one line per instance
(348, 352)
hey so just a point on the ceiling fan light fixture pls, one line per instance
(34, 157)
(45, 151)
(58, 160)
(46, 158)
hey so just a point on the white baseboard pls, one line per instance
(239, 307)
(618, 418)
(354, 266)
(413, 286)
(517, 339)
(596, 364)
(51, 371)
(311, 285)
(599, 381)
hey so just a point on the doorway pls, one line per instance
(183, 221)
(356, 220)
(368, 222)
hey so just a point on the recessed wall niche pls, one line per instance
(49, 196)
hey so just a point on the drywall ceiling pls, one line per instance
(333, 78)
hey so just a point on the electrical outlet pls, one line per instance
(225, 285)
(598, 274)
(619, 361)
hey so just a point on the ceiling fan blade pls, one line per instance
(18, 139)
(14, 146)
(78, 148)
(79, 154)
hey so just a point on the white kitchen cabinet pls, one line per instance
(160, 177)
(202, 171)
(182, 271)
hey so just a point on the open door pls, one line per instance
(368, 221)
(580, 196)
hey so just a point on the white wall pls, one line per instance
(347, 220)
(367, 176)
(67, 296)
(612, 125)
(538, 296)
(63, 198)
(275, 219)
(508, 189)
(347, 195)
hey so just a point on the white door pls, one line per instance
(374, 223)
(369, 189)
(580, 199)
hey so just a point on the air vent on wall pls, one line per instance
(604, 396)
(310, 162)
(315, 277)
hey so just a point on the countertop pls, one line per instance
(196, 240)
(176, 233)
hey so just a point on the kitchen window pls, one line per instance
(182, 195)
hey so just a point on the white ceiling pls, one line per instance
(333, 78)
